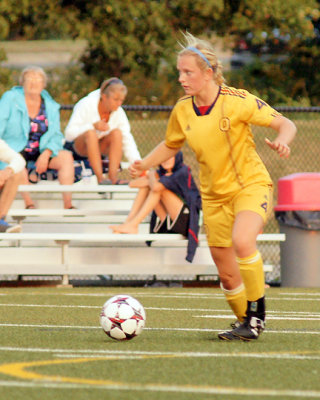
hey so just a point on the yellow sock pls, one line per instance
(251, 269)
(237, 300)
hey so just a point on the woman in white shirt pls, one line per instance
(10, 177)
(99, 126)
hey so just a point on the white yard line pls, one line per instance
(216, 296)
(285, 315)
(269, 317)
(299, 294)
(85, 352)
(42, 326)
(170, 388)
(47, 305)
(129, 354)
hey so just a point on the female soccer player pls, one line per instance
(235, 186)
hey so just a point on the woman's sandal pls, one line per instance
(30, 207)
(122, 182)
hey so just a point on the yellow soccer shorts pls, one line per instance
(218, 218)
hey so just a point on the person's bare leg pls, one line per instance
(160, 211)
(112, 145)
(136, 207)
(229, 272)
(87, 145)
(63, 163)
(247, 227)
(172, 203)
(138, 203)
(132, 226)
(8, 193)
(24, 180)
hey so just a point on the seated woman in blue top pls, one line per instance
(172, 196)
(30, 125)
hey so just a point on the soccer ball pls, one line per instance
(122, 317)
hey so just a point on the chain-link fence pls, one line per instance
(149, 123)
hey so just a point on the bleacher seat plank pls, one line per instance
(78, 251)
(117, 238)
(110, 269)
(61, 212)
(92, 237)
(76, 188)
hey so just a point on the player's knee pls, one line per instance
(228, 281)
(243, 246)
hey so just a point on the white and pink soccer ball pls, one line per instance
(122, 317)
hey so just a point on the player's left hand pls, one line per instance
(281, 148)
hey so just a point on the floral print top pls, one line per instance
(38, 126)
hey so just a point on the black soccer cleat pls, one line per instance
(228, 336)
(252, 326)
(251, 329)
(235, 324)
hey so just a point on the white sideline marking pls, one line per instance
(305, 313)
(48, 305)
(182, 296)
(308, 316)
(84, 352)
(216, 296)
(166, 388)
(315, 318)
(158, 294)
(304, 332)
(299, 294)
(291, 299)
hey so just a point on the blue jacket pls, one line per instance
(15, 124)
(182, 184)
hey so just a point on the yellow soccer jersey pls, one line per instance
(222, 140)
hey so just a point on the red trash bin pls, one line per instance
(298, 215)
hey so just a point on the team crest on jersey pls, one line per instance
(224, 124)
(260, 103)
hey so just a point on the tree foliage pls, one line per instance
(283, 36)
(125, 39)
(36, 19)
(139, 38)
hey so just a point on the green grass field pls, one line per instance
(52, 347)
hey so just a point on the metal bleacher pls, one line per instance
(79, 242)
